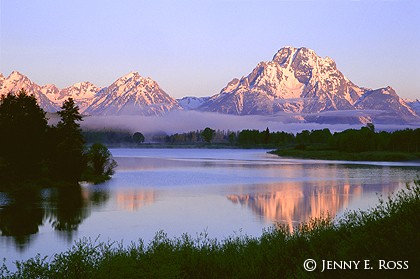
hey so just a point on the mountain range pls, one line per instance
(296, 82)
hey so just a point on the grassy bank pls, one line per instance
(386, 236)
(346, 156)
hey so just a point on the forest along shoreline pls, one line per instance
(364, 144)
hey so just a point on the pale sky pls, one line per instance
(194, 48)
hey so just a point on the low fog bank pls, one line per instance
(185, 121)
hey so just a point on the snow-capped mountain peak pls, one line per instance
(15, 75)
(130, 76)
(129, 94)
(132, 94)
(83, 93)
(294, 74)
(17, 81)
(297, 80)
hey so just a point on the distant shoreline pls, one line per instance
(187, 146)
(370, 156)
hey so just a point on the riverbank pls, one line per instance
(377, 243)
(346, 156)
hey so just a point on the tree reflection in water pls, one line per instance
(22, 214)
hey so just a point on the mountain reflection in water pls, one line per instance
(133, 200)
(22, 214)
(293, 203)
(185, 191)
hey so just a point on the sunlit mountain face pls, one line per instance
(293, 203)
(299, 82)
(130, 94)
(296, 82)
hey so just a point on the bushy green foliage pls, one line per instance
(208, 134)
(100, 165)
(138, 137)
(388, 231)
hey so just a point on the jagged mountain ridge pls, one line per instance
(130, 94)
(298, 81)
(16, 81)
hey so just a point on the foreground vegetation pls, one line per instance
(386, 236)
(35, 154)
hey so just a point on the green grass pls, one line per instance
(337, 155)
(389, 231)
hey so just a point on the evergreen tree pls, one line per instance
(68, 160)
(266, 136)
(23, 126)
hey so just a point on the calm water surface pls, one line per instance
(220, 192)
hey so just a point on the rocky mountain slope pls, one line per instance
(130, 94)
(16, 81)
(192, 103)
(298, 81)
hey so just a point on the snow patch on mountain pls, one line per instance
(298, 81)
(16, 81)
(192, 103)
(132, 94)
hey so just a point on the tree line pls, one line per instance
(350, 140)
(35, 153)
(365, 139)
(111, 137)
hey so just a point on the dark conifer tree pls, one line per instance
(23, 127)
(68, 160)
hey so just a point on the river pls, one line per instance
(220, 192)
